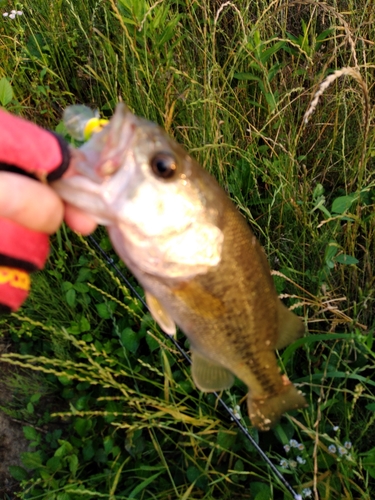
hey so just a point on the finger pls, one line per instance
(30, 203)
(79, 221)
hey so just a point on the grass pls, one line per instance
(232, 82)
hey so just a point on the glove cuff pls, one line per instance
(14, 288)
(21, 251)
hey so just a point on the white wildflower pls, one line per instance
(292, 464)
(12, 16)
(336, 428)
(5, 14)
(348, 445)
(286, 448)
(13, 11)
(19, 12)
(332, 448)
(237, 412)
(306, 492)
(293, 443)
(301, 447)
(284, 463)
(301, 460)
(342, 451)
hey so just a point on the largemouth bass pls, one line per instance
(200, 264)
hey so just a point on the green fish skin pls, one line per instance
(196, 257)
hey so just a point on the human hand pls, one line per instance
(30, 210)
(36, 206)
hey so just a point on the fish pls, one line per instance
(194, 254)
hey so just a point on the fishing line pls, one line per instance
(242, 428)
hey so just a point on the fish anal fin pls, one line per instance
(209, 376)
(160, 315)
(265, 412)
(290, 327)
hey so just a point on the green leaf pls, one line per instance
(343, 203)
(346, 259)
(370, 406)
(84, 274)
(318, 191)
(106, 309)
(30, 433)
(84, 324)
(239, 466)
(130, 340)
(88, 451)
(246, 76)
(54, 464)
(18, 473)
(260, 491)
(73, 463)
(64, 449)
(192, 473)
(141, 486)
(63, 496)
(6, 92)
(35, 397)
(151, 342)
(331, 250)
(225, 439)
(71, 297)
(108, 444)
(31, 460)
(61, 129)
(256, 38)
(66, 286)
(81, 287)
(266, 54)
(64, 380)
(82, 426)
(368, 462)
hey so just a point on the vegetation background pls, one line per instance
(106, 401)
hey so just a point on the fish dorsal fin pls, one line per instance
(160, 315)
(209, 376)
(290, 327)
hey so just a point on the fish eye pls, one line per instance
(163, 165)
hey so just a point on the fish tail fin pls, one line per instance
(266, 412)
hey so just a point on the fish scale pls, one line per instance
(199, 262)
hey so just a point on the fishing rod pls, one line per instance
(242, 428)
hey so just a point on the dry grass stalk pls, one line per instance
(353, 72)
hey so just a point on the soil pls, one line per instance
(12, 440)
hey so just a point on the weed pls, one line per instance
(234, 82)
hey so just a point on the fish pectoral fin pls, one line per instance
(160, 315)
(209, 376)
(290, 327)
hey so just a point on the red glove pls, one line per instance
(30, 150)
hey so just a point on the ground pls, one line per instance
(12, 440)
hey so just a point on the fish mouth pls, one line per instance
(98, 169)
(104, 154)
